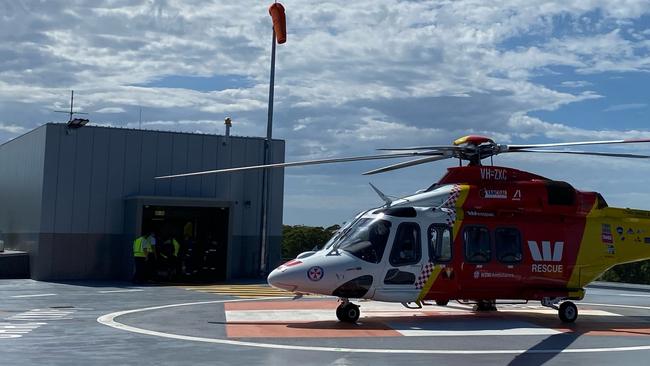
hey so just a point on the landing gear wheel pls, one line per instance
(348, 312)
(442, 302)
(485, 305)
(568, 312)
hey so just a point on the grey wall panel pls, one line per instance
(50, 179)
(115, 181)
(65, 181)
(133, 158)
(194, 163)
(100, 163)
(83, 167)
(164, 154)
(224, 159)
(236, 186)
(148, 163)
(69, 256)
(209, 162)
(21, 182)
(251, 194)
(277, 191)
(41, 257)
(178, 159)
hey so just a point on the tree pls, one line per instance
(297, 239)
(638, 272)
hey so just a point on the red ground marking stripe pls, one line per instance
(281, 305)
(325, 329)
(377, 328)
(620, 332)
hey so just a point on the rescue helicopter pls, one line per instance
(481, 235)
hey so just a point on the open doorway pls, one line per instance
(201, 235)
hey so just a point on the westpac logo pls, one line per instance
(546, 253)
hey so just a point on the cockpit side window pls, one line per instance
(366, 239)
(407, 248)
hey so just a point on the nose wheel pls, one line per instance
(348, 312)
(567, 311)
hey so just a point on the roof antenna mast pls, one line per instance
(74, 122)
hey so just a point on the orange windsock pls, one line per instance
(279, 22)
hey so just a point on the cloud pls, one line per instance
(625, 107)
(576, 84)
(111, 110)
(11, 128)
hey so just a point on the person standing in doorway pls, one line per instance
(139, 259)
(150, 250)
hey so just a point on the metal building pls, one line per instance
(75, 199)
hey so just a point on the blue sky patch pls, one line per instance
(201, 83)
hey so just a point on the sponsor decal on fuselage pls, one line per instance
(480, 213)
(495, 275)
(546, 253)
(606, 234)
(500, 194)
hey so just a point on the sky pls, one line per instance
(352, 77)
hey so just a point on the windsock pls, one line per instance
(279, 22)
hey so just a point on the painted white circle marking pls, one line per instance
(109, 320)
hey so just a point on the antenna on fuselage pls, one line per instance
(381, 195)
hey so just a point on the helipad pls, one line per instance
(252, 323)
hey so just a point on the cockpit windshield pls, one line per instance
(343, 230)
(366, 239)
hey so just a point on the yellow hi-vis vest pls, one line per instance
(177, 247)
(138, 250)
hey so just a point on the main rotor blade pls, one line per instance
(439, 148)
(559, 144)
(616, 155)
(406, 164)
(302, 163)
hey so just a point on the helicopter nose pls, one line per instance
(287, 276)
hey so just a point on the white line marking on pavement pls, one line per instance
(633, 295)
(123, 290)
(34, 295)
(10, 330)
(599, 293)
(42, 314)
(109, 320)
(617, 306)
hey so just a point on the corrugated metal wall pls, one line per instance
(21, 189)
(90, 171)
(21, 182)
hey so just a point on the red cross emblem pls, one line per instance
(315, 273)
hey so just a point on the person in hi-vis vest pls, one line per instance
(144, 253)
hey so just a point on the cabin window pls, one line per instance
(508, 245)
(439, 243)
(365, 239)
(407, 248)
(477, 244)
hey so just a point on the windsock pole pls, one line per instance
(279, 23)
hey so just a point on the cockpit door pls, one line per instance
(440, 244)
(405, 262)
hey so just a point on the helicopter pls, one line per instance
(482, 235)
